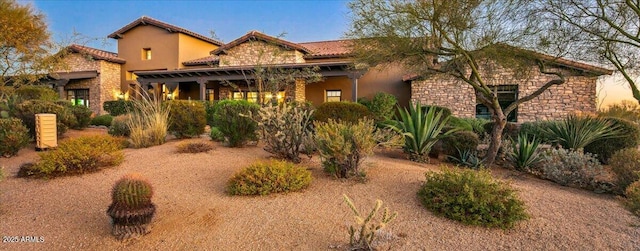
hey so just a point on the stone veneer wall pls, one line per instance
(576, 95)
(259, 52)
(102, 88)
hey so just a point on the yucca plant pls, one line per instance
(361, 236)
(525, 152)
(421, 130)
(575, 132)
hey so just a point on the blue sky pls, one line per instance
(301, 20)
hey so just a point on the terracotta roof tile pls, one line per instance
(328, 49)
(259, 36)
(144, 20)
(208, 60)
(97, 54)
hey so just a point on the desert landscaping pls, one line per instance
(194, 212)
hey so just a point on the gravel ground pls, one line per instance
(194, 213)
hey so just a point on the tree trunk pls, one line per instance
(499, 123)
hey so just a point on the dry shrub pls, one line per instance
(194, 147)
(275, 176)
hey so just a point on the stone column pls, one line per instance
(203, 88)
(299, 90)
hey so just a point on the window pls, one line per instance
(146, 53)
(253, 96)
(333, 96)
(210, 94)
(131, 76)
(78, 97)
(507, 94)
(238, 95)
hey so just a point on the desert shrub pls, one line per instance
(365, 231)
(343, 146)
(102, 120)
(446, 112)
(236, 120)
(262, 178)
(524, 152)
(13, 136)
(605, 147)
(348, 112)
(632, 200)
(80, 155)
(120, 126)
(538, 129)
(626, 109)
(27, 110)
(460, 141)
(477, 125)
(194, 147)
(626, 166)
(148, 123)
(82, 115)
(382, 106)
(472, 197)
(511, 130)
(575, 132)
(421, 130)
(8, 102)
(215, 134)
(187, 118)
(36, 92)
(118, 107)
(571, 168)
(286, 130)
(210, 109)
(131, 209)
(459, 124)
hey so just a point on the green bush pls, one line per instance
(120, 126)
(102, 120)
(27, 110)
(382, 106)
(632, 200)
(210, 109)
(626, 166)
(511, 130)
(626, 109)
(36, 92)
(459, 124)
(216, 135)
(343, 146)
(13, 136)
(538, 129)
(571, 168)
(79, 155)
(446, 112)
(477, 125)
(460, 141)
(348, 112)
(262, 178)
(82, 114)
(604, 148)
(118, 107)
(287, 130)
(187, 118)
(472, 197)
(236, 120)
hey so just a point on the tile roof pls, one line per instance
(97, 54)
(256, 35)
(328, 49)
(208, 60)
(144, 20)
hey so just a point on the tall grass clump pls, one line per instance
(149, 122)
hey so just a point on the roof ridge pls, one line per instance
(322, 41)
(92, 48)
(255, 33)
(146, 20)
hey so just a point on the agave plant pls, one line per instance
(421, 130)
(525, 152)
(467, 159)
(576, 132)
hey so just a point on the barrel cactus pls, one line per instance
(131, 209)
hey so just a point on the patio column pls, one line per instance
(354, 76)
(203, 88)
(60, 85)
(299, 90)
